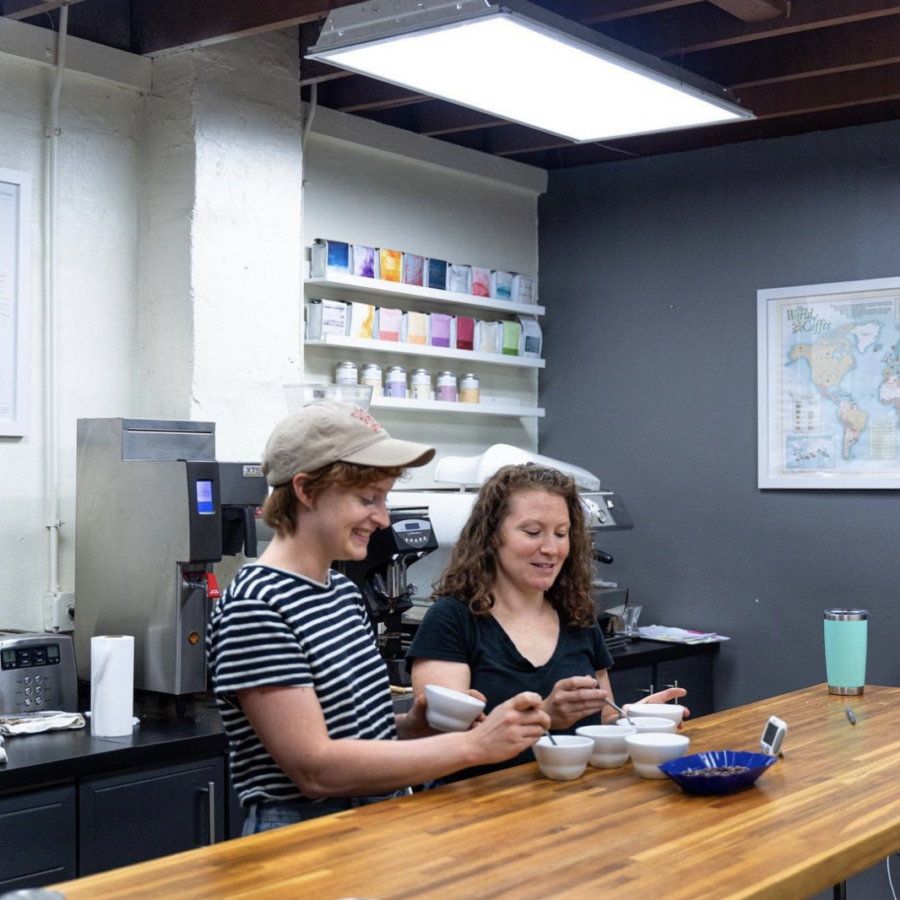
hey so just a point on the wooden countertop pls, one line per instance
(829, 809)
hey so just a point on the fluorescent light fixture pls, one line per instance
(520, 62)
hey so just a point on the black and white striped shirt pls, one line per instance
(273, 627)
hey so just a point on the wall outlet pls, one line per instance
(59, 611)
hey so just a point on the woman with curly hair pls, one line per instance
(513, 609)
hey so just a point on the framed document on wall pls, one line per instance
(829, 385)
(15, 281)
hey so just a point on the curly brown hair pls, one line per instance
(472, 570)
(280, 508)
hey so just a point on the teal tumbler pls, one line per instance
(846, 638)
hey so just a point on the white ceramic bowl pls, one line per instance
(648, 751)
(565, 760)
(657, 710)
(610, 751)
(648, 724)
(449, 710)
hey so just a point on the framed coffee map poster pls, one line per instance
(15, 207)
(829, 385)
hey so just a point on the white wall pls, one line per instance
(179, 255)
(97, 317)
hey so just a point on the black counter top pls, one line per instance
(640, 652)
(162, 735)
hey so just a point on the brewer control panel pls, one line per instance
(37, 672)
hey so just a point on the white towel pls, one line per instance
(32, 723)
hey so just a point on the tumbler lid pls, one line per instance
(846, 615)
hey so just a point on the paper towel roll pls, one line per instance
(112, 685)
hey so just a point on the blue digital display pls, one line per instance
(205, 497)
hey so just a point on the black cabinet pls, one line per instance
(38, 838)
(132, 816)
(645, 667)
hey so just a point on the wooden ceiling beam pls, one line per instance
(677, 32)
(591, 12)
(358, 94)
(168, 26)
(860, 45)
(754, 10)
(833, 91)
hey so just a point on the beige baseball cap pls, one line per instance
(325, 433)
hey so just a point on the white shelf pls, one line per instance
(415, 292)
(399, 347)
(444, 407)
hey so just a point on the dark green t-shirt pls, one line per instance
(450, 632)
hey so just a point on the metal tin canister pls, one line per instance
(420, 383)
(370, 374)
(345, 373)
(469, 388)
(395, 382)
(446, 386)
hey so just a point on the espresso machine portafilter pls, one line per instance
(382, 580)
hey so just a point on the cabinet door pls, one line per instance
(37, 837)
(694, 674)
(141, 814)
(631, 685)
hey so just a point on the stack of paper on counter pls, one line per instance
(413, 269)
(414, 328)
(326, 317)
(679, 635)
(390, 264)
(362, 320)
(364, 261)
(389, 324)
(328, 258)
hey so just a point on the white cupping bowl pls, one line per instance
(648, 751)
(657, 710)
(648, 724)
(565, 760)
(610, 751)
(449, 710)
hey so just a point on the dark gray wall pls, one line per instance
(649, 271)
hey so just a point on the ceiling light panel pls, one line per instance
(506, 63)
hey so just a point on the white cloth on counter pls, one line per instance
(46, 720)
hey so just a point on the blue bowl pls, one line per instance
(680, 771)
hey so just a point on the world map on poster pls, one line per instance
(838, 385)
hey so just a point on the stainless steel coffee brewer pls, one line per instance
(151, 506)
(382, 580)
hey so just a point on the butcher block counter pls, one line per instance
(829, 809)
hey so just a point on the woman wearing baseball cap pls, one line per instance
(303, 692)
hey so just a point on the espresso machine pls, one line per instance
(154, 511)
(382, 580)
